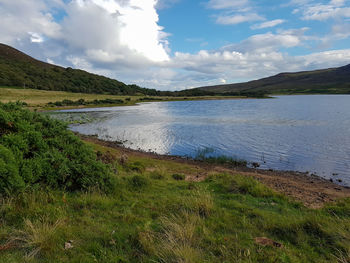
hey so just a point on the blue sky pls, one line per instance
(178, 44)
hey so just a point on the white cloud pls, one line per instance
(238, 18)
(324, 12)
(234, 11)
(162, 4)
(270, 42)
(35, 37)
(268, 24)
(227, 4)
(20, 18)
(337, 2)
(310, 10)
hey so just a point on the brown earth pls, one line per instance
(312, 191)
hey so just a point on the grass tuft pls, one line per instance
(178, 239)
(38, 237)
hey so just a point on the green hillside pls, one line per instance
(326, 81)
(20, 70)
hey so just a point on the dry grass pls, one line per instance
(343, 257)
(200, 202)
(178, 241)
(180, 234)
(42, 97)
(38, 237)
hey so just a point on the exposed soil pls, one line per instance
(312, 191)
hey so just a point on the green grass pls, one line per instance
(148, 218)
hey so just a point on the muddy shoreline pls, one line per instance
(311, 190)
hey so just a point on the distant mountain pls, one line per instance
(20, 70)
(327, 81)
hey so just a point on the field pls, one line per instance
(40, 98)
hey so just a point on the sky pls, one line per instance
(180, 44)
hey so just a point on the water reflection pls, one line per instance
(146, 129)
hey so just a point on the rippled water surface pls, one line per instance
(303, 133)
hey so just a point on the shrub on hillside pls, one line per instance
(36, 150)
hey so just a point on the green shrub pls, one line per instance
(9, 173)
(138, 181)
(136, 167)
(35, 150)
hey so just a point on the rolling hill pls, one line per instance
(327, 81)
(20, 70)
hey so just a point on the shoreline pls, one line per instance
(313, 191)
(137, 103)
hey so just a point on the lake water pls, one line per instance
(301, 133)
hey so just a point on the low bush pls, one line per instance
(178, 177)
(136, 167)
(37, 150)
(138, 181)
(83, 102)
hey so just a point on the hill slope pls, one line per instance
(333, 80)
(20, 70)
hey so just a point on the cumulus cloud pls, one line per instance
(22, 20)
(117, 29)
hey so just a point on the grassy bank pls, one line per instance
(152, 216)
(41, 99)
(103, 204)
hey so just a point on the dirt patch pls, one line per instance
(312, 191)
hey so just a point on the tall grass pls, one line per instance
(178, 239)
(208, 155)
(38, 237)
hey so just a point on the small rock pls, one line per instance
(255, 165)
(68, 245)
(340, 180)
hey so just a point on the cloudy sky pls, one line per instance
(178, 44)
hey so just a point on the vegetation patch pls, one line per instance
(81, 102)
(38, 151)
(208, 155)
(178, 177)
